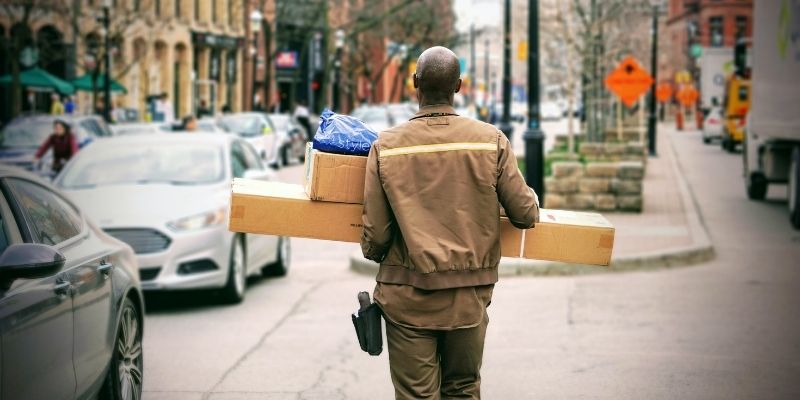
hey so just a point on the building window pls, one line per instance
(214, 11)
(136, 4)
(177, 7)
(197, 10)
(715, 31)
(158, 8)
(741, 26)
(230, 12)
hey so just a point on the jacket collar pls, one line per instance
(435, 109)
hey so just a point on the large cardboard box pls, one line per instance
(283, 209)
(334, 177)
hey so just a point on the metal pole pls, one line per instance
(534, 136)
(651, 120)
(472, 72)
(107, 82)
(337, 67)
(505, 122)
(254, 60)
(486, 78)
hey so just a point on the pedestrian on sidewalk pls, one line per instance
(431, 219)
(302, 116)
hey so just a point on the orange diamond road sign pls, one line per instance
(664, 92)
(687, 95)
(629, 81)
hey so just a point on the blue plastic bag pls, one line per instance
(343, 134)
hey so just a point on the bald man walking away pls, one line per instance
(431, 219)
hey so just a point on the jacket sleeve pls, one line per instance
(520, 202)
(73, 144)
(44, 147)
(377, 218)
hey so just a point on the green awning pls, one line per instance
(37, 78)
(84, 83)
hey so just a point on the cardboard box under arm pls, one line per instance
(282, 209)
(334, 177)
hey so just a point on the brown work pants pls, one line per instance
(436, 364)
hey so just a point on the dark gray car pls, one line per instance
(71, 310)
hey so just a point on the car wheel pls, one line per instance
(281, 266)
(284, 155)
(706, 139)
(233, 292)
(794, 188)
(124, 379)
(756, 186)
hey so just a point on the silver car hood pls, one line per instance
(148, 205)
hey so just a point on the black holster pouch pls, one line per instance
(367, 321)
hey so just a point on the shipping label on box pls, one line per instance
(282, 209)
(334, 177)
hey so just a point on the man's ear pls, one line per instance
(458, 86)
(416, 81)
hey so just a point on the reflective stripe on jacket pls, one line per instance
(431, 201)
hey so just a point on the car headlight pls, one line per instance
(199, 221)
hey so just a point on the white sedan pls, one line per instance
(167, 196)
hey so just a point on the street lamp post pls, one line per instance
(534, 136)
(255, 27)
(651, 120)
(107, 60)
(505, 122)
(337, 69)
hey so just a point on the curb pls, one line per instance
(700, 251)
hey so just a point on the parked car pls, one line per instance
(21, 138)
(258, 130)
(171, 195)
(137, 128)
(712, 124)
(291, 137)
(550, 111)
(382, 117)
(71, 310)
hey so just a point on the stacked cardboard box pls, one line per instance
(291, 210)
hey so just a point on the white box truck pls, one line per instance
(716, 64)
(772, 143)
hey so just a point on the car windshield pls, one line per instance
(372, 115)
(244, 125)
(26, 134)
(173, 163)
(280, 121)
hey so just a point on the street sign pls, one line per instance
(286, 59)
(629, 81)
(664, 92)
(687, 95)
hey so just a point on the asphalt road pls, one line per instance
(727, 329)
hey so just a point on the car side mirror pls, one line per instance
(258, 174)
(30, 260)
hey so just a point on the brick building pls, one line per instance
(707, 23)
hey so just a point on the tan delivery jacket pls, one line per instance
(431, 215)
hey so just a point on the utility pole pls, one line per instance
(534, 136)
(472, 72)
(107, 61)
(651, 120)
(486, 78)
(505, 122)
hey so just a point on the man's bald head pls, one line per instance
(438, 75)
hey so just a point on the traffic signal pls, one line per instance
(740, 57)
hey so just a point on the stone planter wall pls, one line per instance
(609, 180)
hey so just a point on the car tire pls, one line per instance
(235, 286)
(284, 155)
(794, 188)
(281, 266)
(124, 379)
(706, 139)
(757, 186)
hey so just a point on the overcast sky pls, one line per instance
(481, 12)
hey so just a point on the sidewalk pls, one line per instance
(667, 233)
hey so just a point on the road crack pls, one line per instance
(262, 339)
